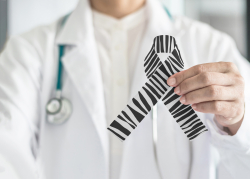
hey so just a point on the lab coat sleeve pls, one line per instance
(20, 77)
(234, 150)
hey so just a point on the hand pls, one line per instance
(216, 88)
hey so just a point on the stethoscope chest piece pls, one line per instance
(58, 110)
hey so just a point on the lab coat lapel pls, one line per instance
(84, 70)
(81, 63)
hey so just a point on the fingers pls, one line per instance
(216, 88)
(220, 67)
(227, 109)
(211, 93)
(205, 79)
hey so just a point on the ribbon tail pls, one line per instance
(184, 115)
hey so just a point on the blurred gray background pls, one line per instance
(17, 16)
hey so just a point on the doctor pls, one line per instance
(105, 45)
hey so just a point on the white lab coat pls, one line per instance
(79, 148)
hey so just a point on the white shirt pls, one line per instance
(118, 42)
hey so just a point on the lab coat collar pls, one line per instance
(78, 27)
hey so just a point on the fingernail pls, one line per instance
(194, 106)
(177, 90)
(183, 99)
(171, 81)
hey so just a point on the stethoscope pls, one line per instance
(59, 109)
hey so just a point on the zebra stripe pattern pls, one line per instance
(156, 88)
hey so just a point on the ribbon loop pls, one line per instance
(156, 88)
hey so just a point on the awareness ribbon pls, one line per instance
(156, 88)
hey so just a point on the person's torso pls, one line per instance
(78, 148)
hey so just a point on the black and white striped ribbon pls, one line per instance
(156, 88)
